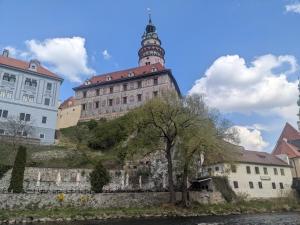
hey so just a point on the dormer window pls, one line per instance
(153, 69)
(108, 78)
(87, 82)
(33, 64)
(130, 74)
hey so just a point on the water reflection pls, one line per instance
(262, 219)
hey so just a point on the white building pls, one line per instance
(29, 93)
(255, 174)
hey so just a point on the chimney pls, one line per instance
(5, 53)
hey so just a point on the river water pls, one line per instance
(260, 219)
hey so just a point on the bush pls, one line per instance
(222, 185)
(92, 124)
(17, 176)
(3, 170)
(99, 177)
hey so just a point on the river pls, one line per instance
(259, 219)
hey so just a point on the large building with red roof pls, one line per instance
(29, 96)
(113, 94)
(288, 144)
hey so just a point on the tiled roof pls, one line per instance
(19, 64)
(69, 102)
(286, 143)
(256, 157)
(124, 74)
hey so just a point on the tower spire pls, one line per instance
(151, 51)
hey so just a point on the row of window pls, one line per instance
(259, 184)
(257, 170)
(26, 117)
(28, 81)
(116, 101)
(6, 94)
(24, 134)
(124, 87)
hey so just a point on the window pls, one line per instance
(111, 90)
(42, 136)
(44, 119)
(251, 186)
(281, 185)
(84, 94)
(22, 116)
(217, 168)
(6, 77)
(257, 170)
(33, 83)
(49, 86)
(248, 169)
(275, 171)
(139, 84)
(265, 170)
(110, 102)
(125, 87)
(155, 93)
(9, 94)
(1, 131)
(235, 184)
(83, 106)
(28, 82)
(9, 78)
(282, 172)
(273, 185)
(155, 81)
(260, 185)
(108, 78)
(139, 97)
(4, 113)
(27, 117)
(97, 92)
(233, 168)
(147, 63)
(97, 104)
(47, 101)
(31, 98)
(24, 134)
(124, 100)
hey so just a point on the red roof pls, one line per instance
(256, 157)
(124, 74)
(69, 102)
(19, 64)
(284, 146)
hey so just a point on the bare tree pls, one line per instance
(17, 129)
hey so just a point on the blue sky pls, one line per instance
(255, 42)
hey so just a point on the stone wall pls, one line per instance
(103, 200)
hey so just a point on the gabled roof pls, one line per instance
(262, 158)
(22, 65)
(287, 142)
(122, 75)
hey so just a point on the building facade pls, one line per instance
(28, 94)
(255, 175)
(68, 114)
(113, 94)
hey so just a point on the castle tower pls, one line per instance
(151, 51)
(298, 103)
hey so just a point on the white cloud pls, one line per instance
(66, 56)
(106, 54)
(295, 7)
(231, 85)
(251, 138)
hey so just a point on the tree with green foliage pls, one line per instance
(99, 177)
(17, 176)
(159, 124)
(205, 137)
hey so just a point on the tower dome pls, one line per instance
(151, 51)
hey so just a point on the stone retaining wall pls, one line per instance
(103, 200)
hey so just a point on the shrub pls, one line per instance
(92, 124)
(222, 185)
(17, 176)
(99, 177)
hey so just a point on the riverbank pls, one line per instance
(76, 214)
